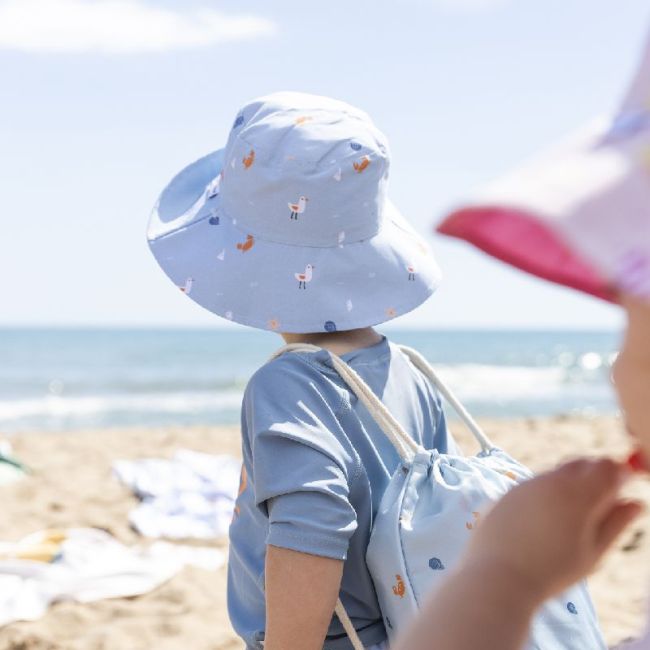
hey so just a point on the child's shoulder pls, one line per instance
(314, 370)
(292, 373)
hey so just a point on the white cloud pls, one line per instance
(118, 26)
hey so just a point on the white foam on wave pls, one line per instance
(60, 406)
(479, 383)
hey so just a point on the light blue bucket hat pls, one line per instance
(289, 228)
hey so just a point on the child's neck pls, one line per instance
(337, 342)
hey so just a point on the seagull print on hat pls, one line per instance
(304, 278)
(472, 525)
(411, 271)
(187, 287)
(298, 208)
(213, 188)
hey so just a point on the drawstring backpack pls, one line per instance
(432, 504)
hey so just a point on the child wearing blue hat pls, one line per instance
(289, 229)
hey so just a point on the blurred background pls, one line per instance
(103, 101)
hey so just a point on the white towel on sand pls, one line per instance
(89, 565)
(191, 495)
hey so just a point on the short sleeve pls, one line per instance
(302, 462)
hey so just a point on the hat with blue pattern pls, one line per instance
(289, 227)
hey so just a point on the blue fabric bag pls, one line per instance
(431, 506)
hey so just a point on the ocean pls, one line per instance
(75, 379)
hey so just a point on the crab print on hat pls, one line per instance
(400, 588)
(362, 164)
(246, 245)
(249, 160)
(298, 208)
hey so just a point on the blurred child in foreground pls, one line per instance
(579, 216)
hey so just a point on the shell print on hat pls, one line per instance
(303, 221)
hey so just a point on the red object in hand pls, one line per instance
(637, 462)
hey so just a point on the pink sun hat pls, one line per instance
(579, 214)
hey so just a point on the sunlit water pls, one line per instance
(81, 378)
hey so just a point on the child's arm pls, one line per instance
(539, 539)
(301, 593)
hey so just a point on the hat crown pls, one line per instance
(305, 170)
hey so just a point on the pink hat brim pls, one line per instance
(518, 238)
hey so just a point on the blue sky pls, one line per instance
(104, 100)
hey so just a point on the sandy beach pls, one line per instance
(72, 485)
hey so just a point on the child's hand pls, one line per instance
(549, 532)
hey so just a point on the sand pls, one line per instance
(72, 485)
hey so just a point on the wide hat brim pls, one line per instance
(266, 284)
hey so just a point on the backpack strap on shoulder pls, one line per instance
(425, 368)
(405, 445)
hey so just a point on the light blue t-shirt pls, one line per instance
(316, 466)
